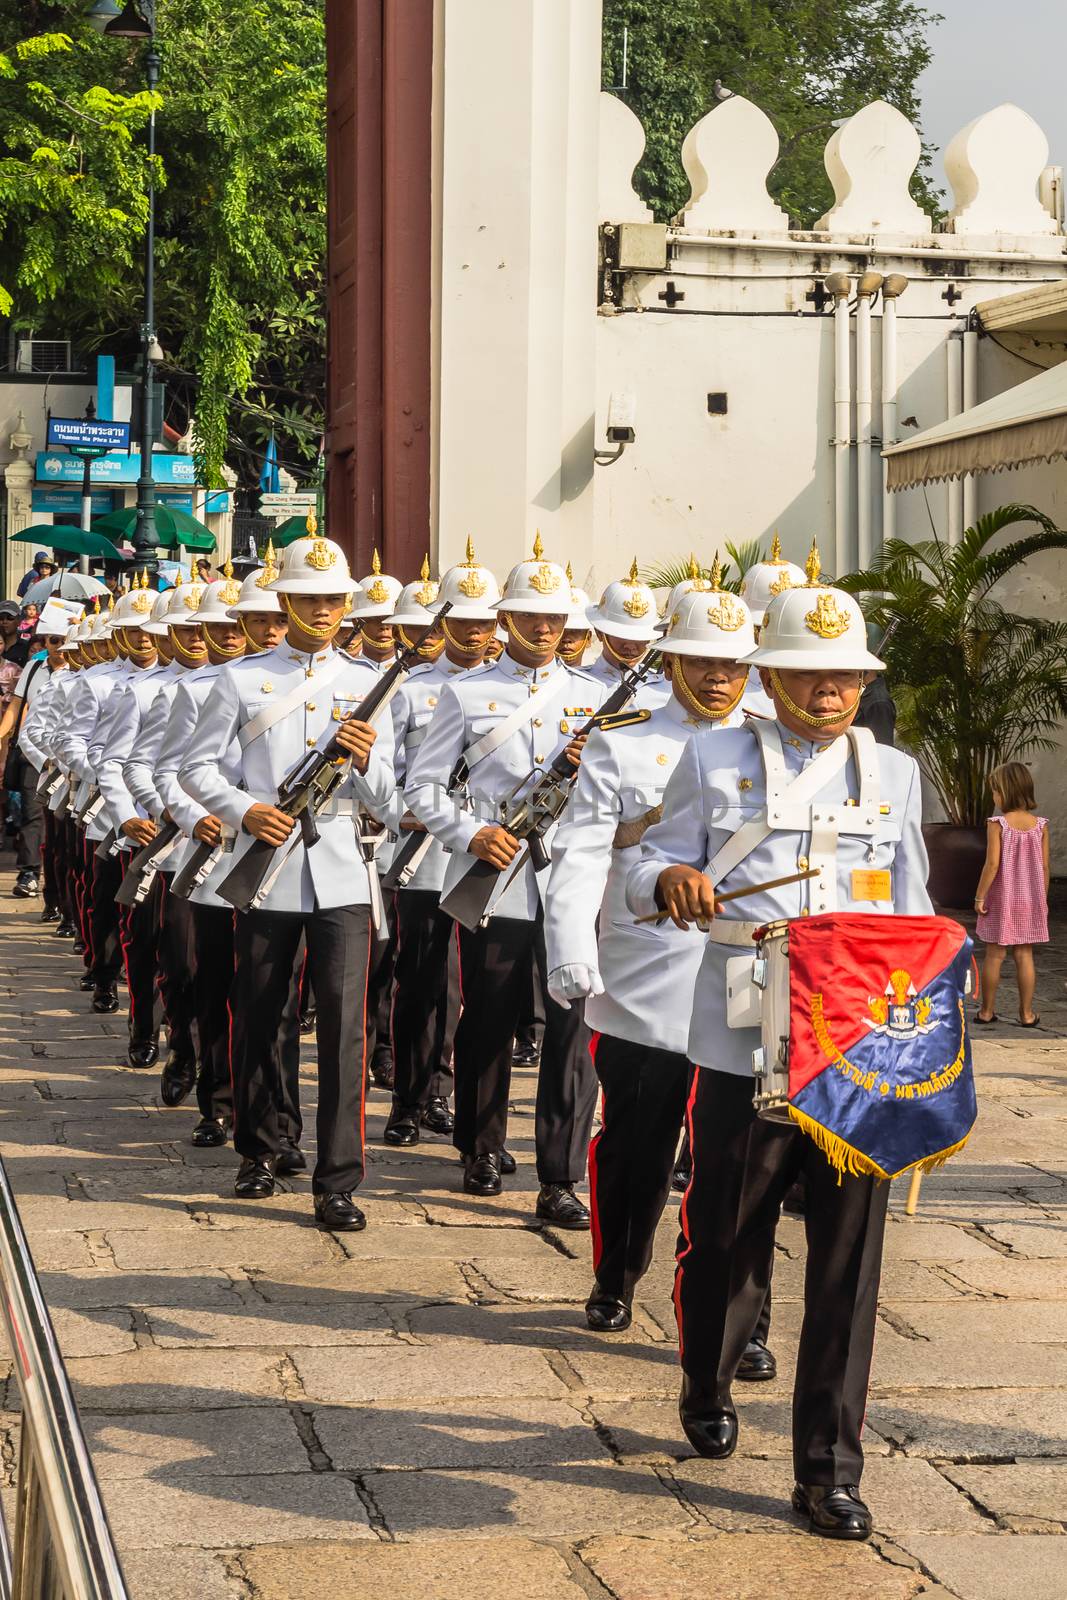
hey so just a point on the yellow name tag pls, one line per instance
(871, 884)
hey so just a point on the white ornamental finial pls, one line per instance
(870, 162)
(993, 165)
(727, 158)
(622, 144)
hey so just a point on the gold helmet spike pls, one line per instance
(813, 565)
(716, 573)
(538, 547)
(570, 573)
(424, 570)
(470, 552)
(111, 602)
(694, 570)
(776, 549)
(312, 524)
(227, 570)
(633, 580)
(376, 563)
(270, 558)
(96, 605)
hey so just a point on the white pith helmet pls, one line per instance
(157, 622)
(256, 591)
(711, 623)
(577, 616)
(471, 588)
(217, 598)
(184, 604)
(693, 583)
(74, 637)
(134, 609)
(312, 566)
(377, 594)
(536, 587)
(627, 610)
(768, 578)
(413, 600)
(816, 626)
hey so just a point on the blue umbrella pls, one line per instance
(269, 480)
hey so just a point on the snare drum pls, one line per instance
(770, 1060)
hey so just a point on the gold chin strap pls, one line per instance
(429, 647)
(305, 628)
(573, 653)
(223, 649)
(470, 650)
(620, 661)
(375, 644)
(251, 647)
(527, 644)
(185, 656)
(696, 705)
(811, 719)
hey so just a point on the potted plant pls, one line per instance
(975, 684)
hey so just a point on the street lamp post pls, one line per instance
(137, 20)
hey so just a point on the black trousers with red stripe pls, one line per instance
(742, 1168)
(266, 951)
(631, 1158)
(494, 966)
(103, 915)
(426, 1008)
(177, 969)
(380, 988)
(82, 886)
(139, 935)
(53, 867)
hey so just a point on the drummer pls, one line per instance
(751, 805)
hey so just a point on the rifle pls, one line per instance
(407, 860)
(142, 869)
(307, 788)
(87, 812)
(471, 898)
(196, 870)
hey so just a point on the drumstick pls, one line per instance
(739, 894)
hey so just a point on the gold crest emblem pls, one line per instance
(193, 598)
(727, 614)
(544, 580)
(636, 606)
(270, 570)
(142, 601)
(320, 556)
(473, 586)
(827, 620)
(427, 592)
(780, 585)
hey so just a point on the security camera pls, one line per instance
(622, 416)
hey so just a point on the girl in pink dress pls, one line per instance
(1012, 897)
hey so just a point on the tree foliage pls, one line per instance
(806, 63)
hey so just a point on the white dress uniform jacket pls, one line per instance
(649, 973)
(654, 692)
(139, 771)
(719, 785)
(126, 716)
(413, 707)
(36, 718)
(333, 872)
(186, 705)
(79, 743)
(467, 710)
(47, 718)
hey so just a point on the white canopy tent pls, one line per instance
(1020, 426)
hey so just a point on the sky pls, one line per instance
(986, 52)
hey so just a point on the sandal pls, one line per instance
(985, 1022)
(1033, 1024)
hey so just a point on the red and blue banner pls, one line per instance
(879, 1055)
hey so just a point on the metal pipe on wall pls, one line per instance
(970, 398)
(867, 287)
(839, 284)
(892, 288)
(953, 407)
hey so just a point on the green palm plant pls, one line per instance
(666, 574)
(975, 684)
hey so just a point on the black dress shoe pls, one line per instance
(438, 1115)
(307, 1020)
(50, 914)
(482, 1175)
(757, 1364)
(681, 1178)
(142, 1052)
(64, 930)
(525, 1055)
(255, 1179)
(338, 1213)
(557, 1203)
(105, 998)
(176, 1080)
(605, 1313)
(209, 1132)
(381, 1073)
(507, 1163)
(833, 1513)
(402, 1127)
(291, 1160)
(711, 1428)
(793, 1203)
(85, 983)
(78, 946)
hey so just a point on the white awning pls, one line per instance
(1020, 426)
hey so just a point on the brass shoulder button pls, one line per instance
(663, 758)
(266, 688)
(431, 700)
(744, 783)
(491, 706)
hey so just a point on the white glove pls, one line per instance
(577, 982)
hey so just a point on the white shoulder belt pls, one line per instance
(278, 710)
(522, 714)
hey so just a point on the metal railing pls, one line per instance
(63, 1548)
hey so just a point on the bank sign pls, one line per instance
(118, 467)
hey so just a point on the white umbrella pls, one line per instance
(66, 586)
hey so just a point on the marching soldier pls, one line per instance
(37, 835)
(577, 635)
(637, 981)
(277, 706)
(427, 997)
(751, 805)
(506, 725)
(759, 585)
(376, 599)
(627, 625)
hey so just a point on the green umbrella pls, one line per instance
(291, 529)
(174, 527)
(75, 541)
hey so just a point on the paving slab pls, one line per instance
(1012, 1277)
(446, 1569)
(223, 1247)
(1018, 1321)
(254, 1440)
(1037, 1238)
(1028, 1496)
(252, 1326)
(453, 1244)
(973, 1425)
(554, 1327)
(251, 1509)
(979, 1362)
(183, 1575)
(977, 1568)
(917, 1239)
(179, 1380)
(396, 1372)
(94, 1288)
(509, 1435)
(344, 1282)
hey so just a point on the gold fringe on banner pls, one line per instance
(846, 1160)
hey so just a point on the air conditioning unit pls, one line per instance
(44, 355)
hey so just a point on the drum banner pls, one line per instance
(879, 1057)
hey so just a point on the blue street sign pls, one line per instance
(84, 433)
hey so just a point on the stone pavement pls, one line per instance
(420, 1410)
